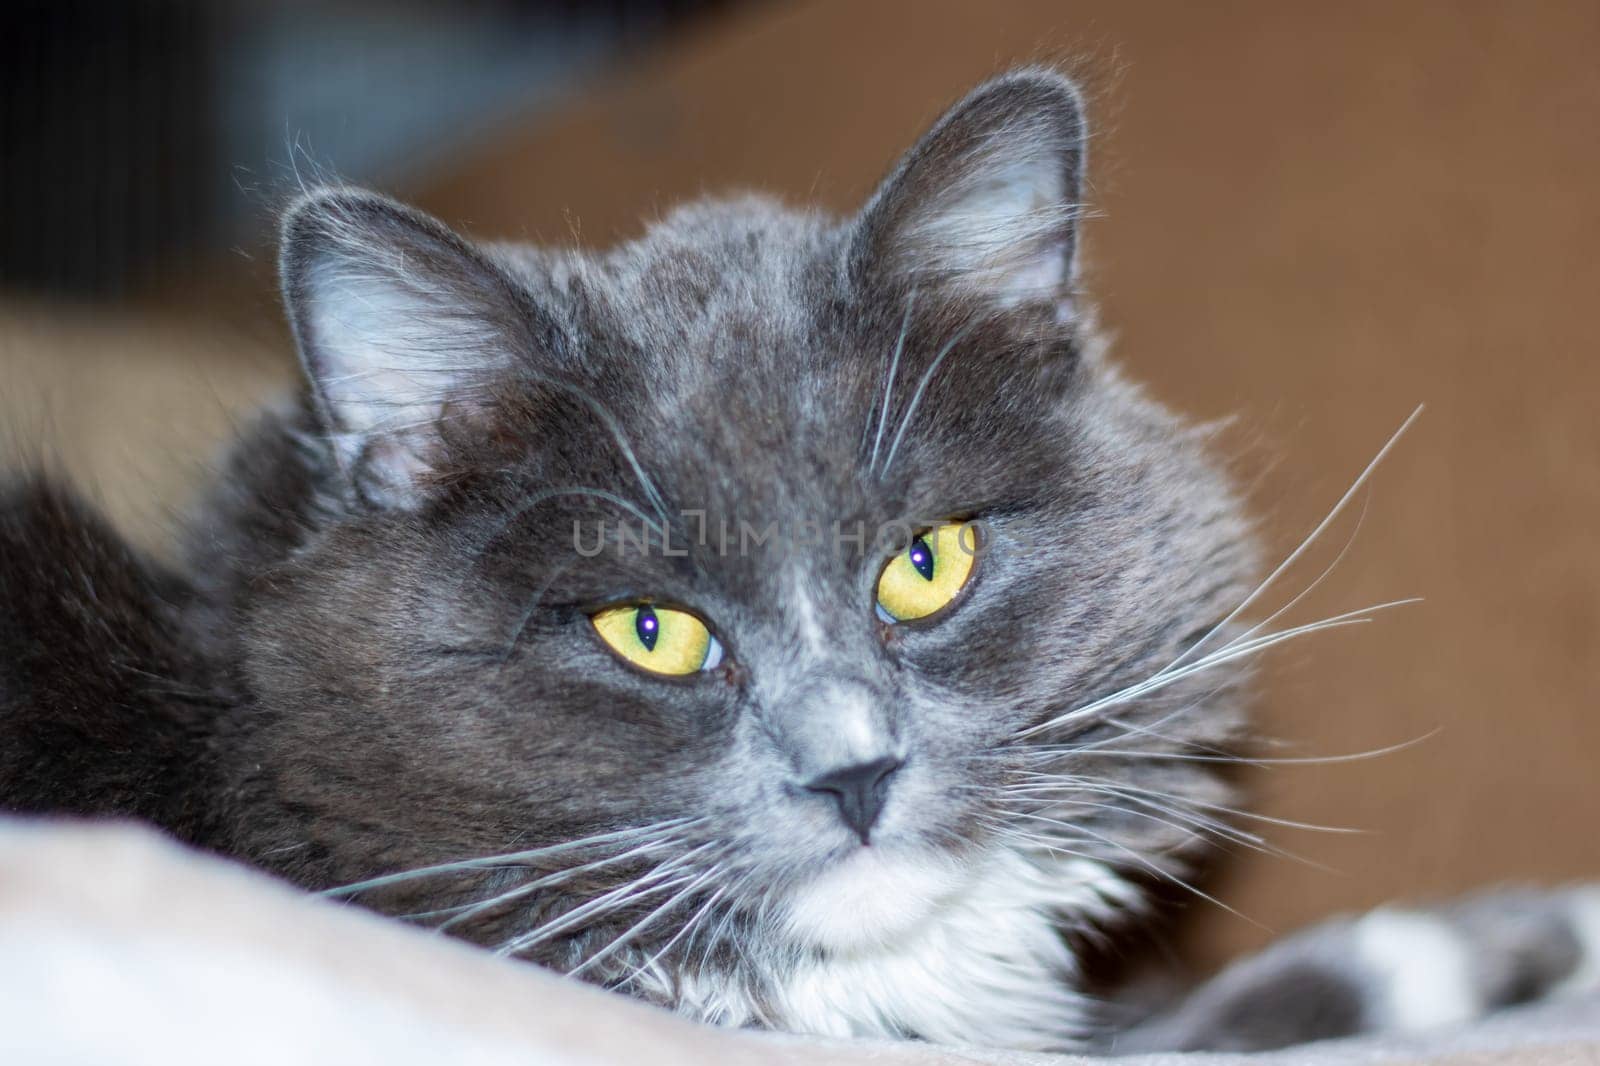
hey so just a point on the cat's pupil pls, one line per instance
(922, 558)
(648, 627)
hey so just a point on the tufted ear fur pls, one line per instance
(401, 324)
(987, 203)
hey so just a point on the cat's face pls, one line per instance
(909, 517)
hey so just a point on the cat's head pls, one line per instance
(784, 556)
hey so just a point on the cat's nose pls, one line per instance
(859, 791)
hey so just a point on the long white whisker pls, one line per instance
(1309, 589)
(514, 858)
(1058, 751)
(638, 927)
(728, 916)
(1236, 649)
(1181, 807)
(1132, 728)
(1305, 544)
(888, 385)
(466, 912)
(916, 397)
(612, 426)
(648, 885)
(545, 495)
(662, 878)
(1226, 653)
(1190, 829)
(1048, 844)
(1192, 820)
(1148, 865)
(1134, 791)
(1178, 712)
(693, 921)
(709, 925)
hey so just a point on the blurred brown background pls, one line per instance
(1312, 217)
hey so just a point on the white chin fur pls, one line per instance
(904, 943)
(871, 898)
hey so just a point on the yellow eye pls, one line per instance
(659, 639)
(927, 575)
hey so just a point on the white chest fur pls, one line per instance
(984, 964)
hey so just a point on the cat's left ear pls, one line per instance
(402, 325)
(987, 203)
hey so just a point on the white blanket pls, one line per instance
(117, 947)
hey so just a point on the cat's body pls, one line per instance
(379, 655)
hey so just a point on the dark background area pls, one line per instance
(141, 138)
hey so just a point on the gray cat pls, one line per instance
(791, 621)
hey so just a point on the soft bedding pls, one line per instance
(121, 948)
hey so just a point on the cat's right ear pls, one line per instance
(401, 324)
